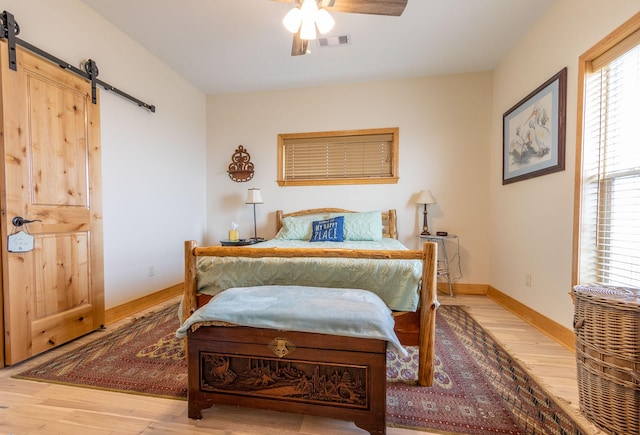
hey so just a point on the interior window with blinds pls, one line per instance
(609, 252)
(342, 157)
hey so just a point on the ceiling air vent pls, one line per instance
(334, 41)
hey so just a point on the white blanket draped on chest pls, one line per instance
(346, 312)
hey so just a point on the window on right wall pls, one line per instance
(607, 227)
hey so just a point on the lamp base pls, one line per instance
(425, 224)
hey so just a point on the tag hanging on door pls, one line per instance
(21, 242)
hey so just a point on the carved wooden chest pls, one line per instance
(315, 374)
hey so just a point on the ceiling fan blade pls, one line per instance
(374, 7)
(299, 46)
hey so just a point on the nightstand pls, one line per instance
(241, 242)
(443, 258)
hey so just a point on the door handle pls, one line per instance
(19, 221)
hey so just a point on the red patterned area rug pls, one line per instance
(479, 389)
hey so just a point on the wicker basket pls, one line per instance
(607, 326)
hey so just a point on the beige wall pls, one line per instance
(532, 221)
(444, 146)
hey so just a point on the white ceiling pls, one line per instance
(224, 46)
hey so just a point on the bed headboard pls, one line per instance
(389, 222)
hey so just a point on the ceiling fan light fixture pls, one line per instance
(307, 18)
(312, 16)
(292, 20)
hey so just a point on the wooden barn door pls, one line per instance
(52, 268)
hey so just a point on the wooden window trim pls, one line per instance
(393, 179)
(610, 46)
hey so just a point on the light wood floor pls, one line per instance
(28, 407)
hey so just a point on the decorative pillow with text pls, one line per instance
(328, 230)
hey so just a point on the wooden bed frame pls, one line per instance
(216, 353)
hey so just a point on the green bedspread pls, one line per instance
(396, 282)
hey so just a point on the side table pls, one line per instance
(443, 258)
(241, 242)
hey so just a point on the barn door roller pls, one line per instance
(9, 29)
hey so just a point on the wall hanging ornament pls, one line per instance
(240, 168)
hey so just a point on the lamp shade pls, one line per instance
(308, 30)
(292, 20)
(324, 21)
(309, 9)
(254, 196)
(425, 197)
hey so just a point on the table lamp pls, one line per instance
(425, 197)
(254, 197)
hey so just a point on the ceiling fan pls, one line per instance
(311, 15)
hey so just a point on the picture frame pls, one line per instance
(534, 132)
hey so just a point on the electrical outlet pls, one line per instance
(152, 271)
(527, 279)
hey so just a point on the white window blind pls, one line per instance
(610, 200)
(364, 156)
